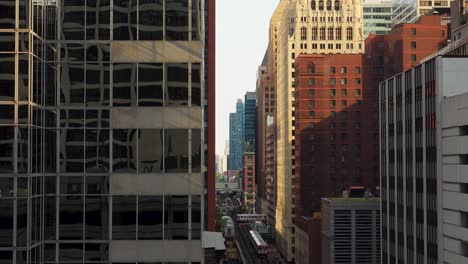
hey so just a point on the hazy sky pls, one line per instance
(241, 41)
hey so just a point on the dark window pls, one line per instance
(125, 19)
(96, 252)
(71, 218)
(97, 150)
(177, 20)
(124, 217)
(72, 80)
(150, 84)
(176, 150)
(6, 220)
(73, 19)
(98, 20)
(97, 217)
(150, 150)
(196, 150)
(71, 150)
(196, 84)
(71, 184)
(7, 81)
(150, 217)
(176, 217)
(7, 13)
(70, 251)
(151, 17)
(124, 150)
(97, 84)
(124, 84)
(177, 84)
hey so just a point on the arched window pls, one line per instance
(329, 5)
(322, 33)
(314, 33)
(330, 33)
(313, 4)
(338, 33)
(337, 5)
(303, 33)
(320, 4)
(349, 33)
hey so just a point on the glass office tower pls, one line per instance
(103, 134)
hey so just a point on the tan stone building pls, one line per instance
(303, 26)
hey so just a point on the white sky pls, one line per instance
(241, 41)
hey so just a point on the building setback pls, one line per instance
(351, 230)
(85, 174)
(236, 137)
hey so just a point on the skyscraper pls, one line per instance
(250, 120)
(377, 17)
(105, 160)
(236, 137)
(303, 26)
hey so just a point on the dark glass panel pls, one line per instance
(125, 19)
(71, 184)
(6, 223)
(98, 52)
(24, 43)
(72, 118)
(21, 257)
(22, 223)
(6, 187)
(124, 151)
(96, 252)
(73, 19)
(72, 52)
(97, 218)
(150, 150)
(49, 252)
(72, 150)
(23, 114)
(97, 84)
(196, 217)
(71, 252)
(6, 149)
(176, 150)
(71, 218)
(36, 150)
(7, 114)
(176, 217)
(124, 84)
(196, 84)
(23, 13)
(150, 217)
(38, 19)
(22, 187)
(7, 14)
(196, 19)
(177, 19)
(97, 19)
(97, 150)
(6, 257)
(177, 83)
(50, 147)
(196, 150)
(50, 84)
(50, 184)
(72, 84)
(150, 84)
(151, 19)
(7, 75)
(97, 118)
(97, 185)
(23, 150)
(50, 118)
(50, 218)
(23, 77)
(124, 217)
(7, 40)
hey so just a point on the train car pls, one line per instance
(261, 247)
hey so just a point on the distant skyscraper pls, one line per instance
(104, 139)
(250, 120)
(236, 137)
(377, 17)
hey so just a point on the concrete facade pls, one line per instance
(459, 19)
(411, 140)
(350, 230)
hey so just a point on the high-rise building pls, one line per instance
(250, 120)
(377, 17)
(236, 137)
(416, 156)
(249, 184)
(225, 158)
(408, 11)
(103, 136)
(351, 230)
(270, 171)
(303, 26)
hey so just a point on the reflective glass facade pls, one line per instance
(65, 146)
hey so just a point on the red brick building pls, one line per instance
(249, 184)
(336, 118)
